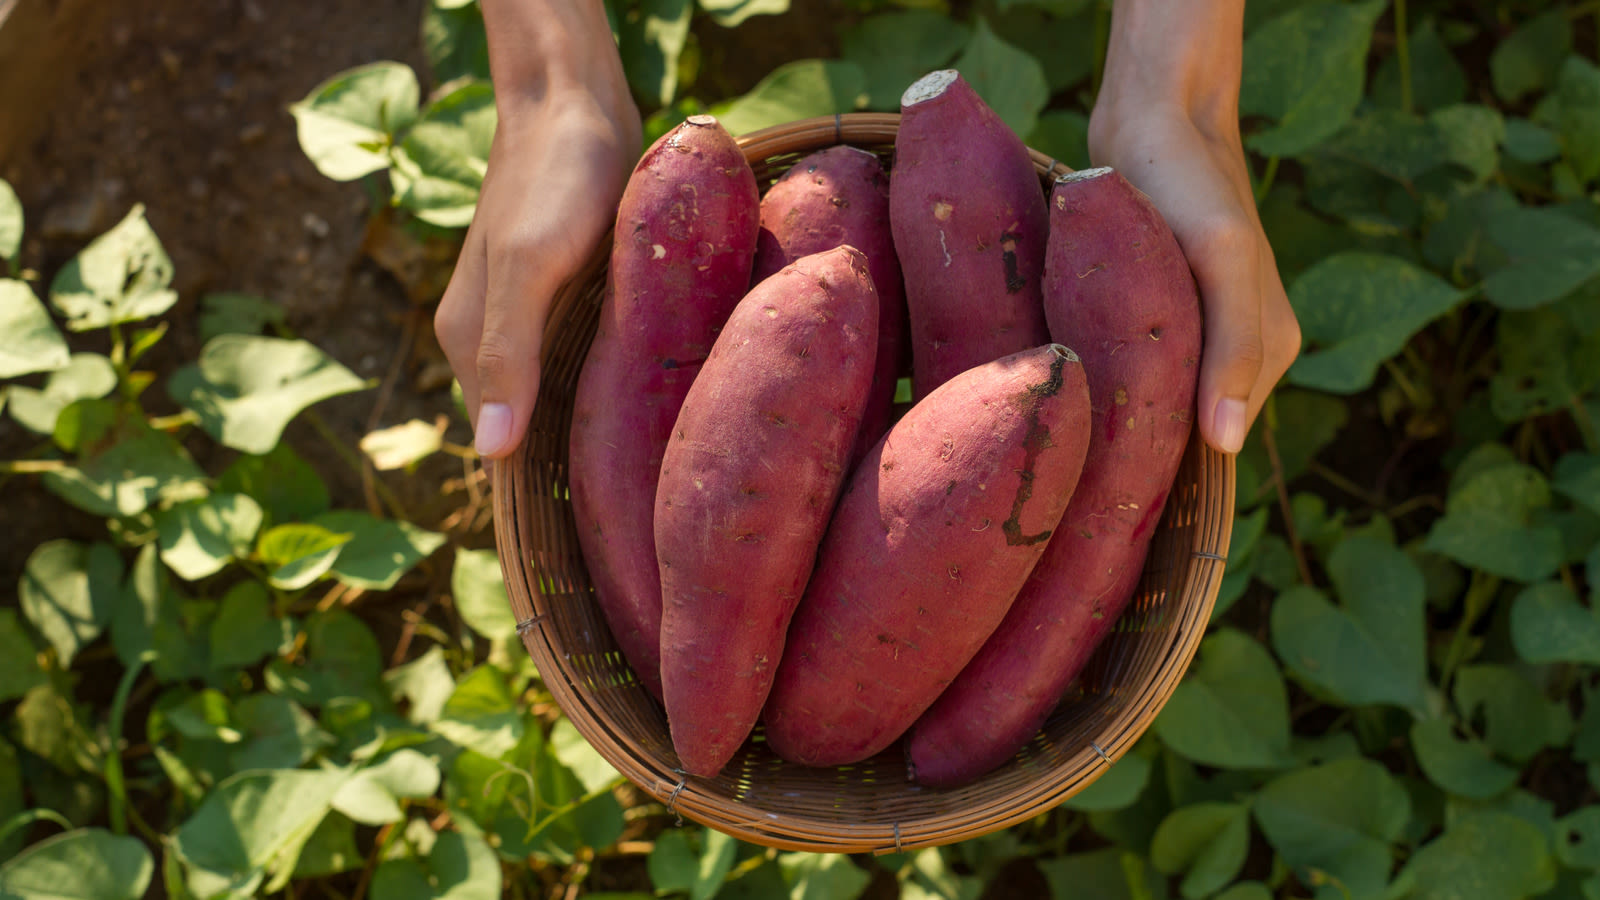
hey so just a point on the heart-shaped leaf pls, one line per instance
(245, 388)
(1232, 710)
(425, 684)
(299, 553)
(478, 587)
(68, 591)
(896, 48)
(1460, 766)
(1342, 818)
(233, 313)
(481, 713)
(1529, 58)
(1358, 309)
(342, 660)
(285, 486)
(1549, 625)
(1437, 79)
(1305, 70)
(347, 123)
(83, 864)
(1489, 524)
(276, 734)
(150, 619)
(1009, 80)
(245, 630)
(1206, 841)
(1550, 254)
(439, 166)
(146, 468)
(1490, 856)
(82, 376)
(651, 40)
(250, 825)
(123, 276)
(1372, 649)
(796, 90)
(461, 867)
(33, 343)
(371, 795)
(1518, 720)
(199, 537)
(1579, 93)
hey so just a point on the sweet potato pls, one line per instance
(840, 196)
(937, 530)
(680, 261)
(747, 484)
(970, 226)
(1118, 287)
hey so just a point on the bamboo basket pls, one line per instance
(870, 806)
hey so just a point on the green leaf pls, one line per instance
(1529, 142)
(1063, 43)
(233, 313)
(342, 660)
(651, 39)
(1528, 59)
(1370, 650)
(378, 551)
(371, 796)
(1493, 856)
(1246, 890)
(82, 376)
(33, 343)
(823, 876)
(1472, 135)
(85, 424)
(1118, 787)
(1463, 767)
(479, 590)
(439, 167)
(426, 683)
(68, 591)
(330, 850)
(795, 90)
(1359, 309)
(1577, 842)
(253, 824)
(123, 275)
(1579, 93)
(1577, 475)
(1550, 253)
(1397, 144)
(19, 664)
(287, 488)
(1305, 70)
(299, 553)
(88, 863)
(673, 863)
(245, 629)
(1062, 135)
(481, 713)
(731, 13)
(347, 123)
(199, 537)
(456, 42)
(1112, 873)
(1519, 721)
(580, 757)
(10, 224)
(1341, 818)
(205, 715)
(245, 389)
(1010, 81)
(278, 734)
(894, 49)
(1488, 524)
(1549, 625)
(1546, 359)
(151, 619)
(1437, 80)
(1233, 708)
(461, 867)
(402, 446)
(1208, 841)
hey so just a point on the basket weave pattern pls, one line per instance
(870, 806)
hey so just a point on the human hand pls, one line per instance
(1167, 119)
(559, 161)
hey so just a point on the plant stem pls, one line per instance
(356, 462)
(24, 819)
(1264, 187)
(1580, 414)
(1286, 506)
(1402, 48)
(32, 466)
(1480, 597)
(174, 421)
(114, 780)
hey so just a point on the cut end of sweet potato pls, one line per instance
(1084, 175)
(1063, 352)
(929, 86)
(701, 120)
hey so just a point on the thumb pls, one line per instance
(507, 363)
(1227, 268)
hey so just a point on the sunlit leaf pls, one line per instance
(796, 90)
(372, 794)
(823, 876)
(896, 48)
(199, 537)
(460, 867)
(479, 590)
(33, 343)
(378, 551)
(401, 445)
(730, 13)
(68, 591)
(481, 713)
(80, 376)
(347, 123)
(253, 823)
(245, 388)
(84, 864)
(10, 224)
(425, 683)
(299, 553)
(651, 38)
(123, 276)
(439, 166)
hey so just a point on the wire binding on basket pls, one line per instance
(852, 809)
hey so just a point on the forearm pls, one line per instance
(545, 49)
(1183, 55)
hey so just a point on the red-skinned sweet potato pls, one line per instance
(680, 261)
(970, 226)
(937, 530)
(1117, 285)
(834, 197)
(747, 485)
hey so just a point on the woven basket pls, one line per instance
(870, 806)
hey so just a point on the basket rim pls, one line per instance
(970, 814)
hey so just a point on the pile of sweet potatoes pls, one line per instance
(776, 544)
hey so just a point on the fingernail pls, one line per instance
(494, 429)
(1229, 425)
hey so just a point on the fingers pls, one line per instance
(507, 360)
(458, 322)
(1225, 256)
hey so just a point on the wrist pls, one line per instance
(1177, 59)
(552, 54)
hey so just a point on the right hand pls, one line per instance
(556, 171)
